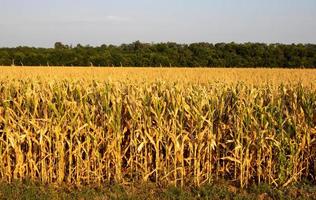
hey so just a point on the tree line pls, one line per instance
(165, 54)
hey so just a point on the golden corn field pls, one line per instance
(169, 126)
(260, 76)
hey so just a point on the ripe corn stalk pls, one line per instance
(92, 132)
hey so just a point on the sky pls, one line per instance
(41, 23)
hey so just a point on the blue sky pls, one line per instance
(96, 22)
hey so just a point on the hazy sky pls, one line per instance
(95, 22)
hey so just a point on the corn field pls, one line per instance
(92, 132)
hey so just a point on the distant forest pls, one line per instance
(165, 54)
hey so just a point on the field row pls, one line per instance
(92, 132)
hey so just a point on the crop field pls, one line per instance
(176, 126)
(253, 76)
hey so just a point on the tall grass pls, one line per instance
(92, 132)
